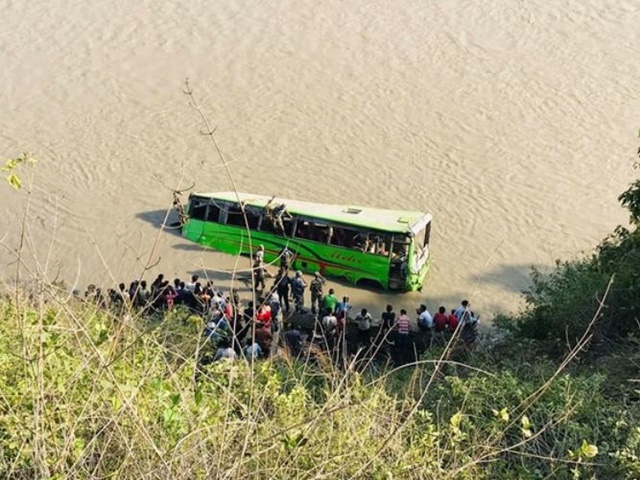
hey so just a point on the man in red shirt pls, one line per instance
(440, 320)
(264, 338)
(453, 321)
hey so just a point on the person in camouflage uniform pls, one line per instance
(316, 288)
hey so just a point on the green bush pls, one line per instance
(88, 394)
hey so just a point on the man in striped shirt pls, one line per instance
(402, 338)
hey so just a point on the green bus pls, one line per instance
(364, 246)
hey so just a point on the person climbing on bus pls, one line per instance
(286, 256)
(259, 255)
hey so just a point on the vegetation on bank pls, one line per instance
(85, 393)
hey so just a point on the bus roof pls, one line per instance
(372, 218)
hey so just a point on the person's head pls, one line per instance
(194, 278)
(298, 273)
(121, 287)
(332, 291)
(143, 284)
(389, 308)
(176, 282)
(403, 311)
(260, 247)
(363, 312)
(250, 305)
(345, 299)
(442, 310)
(465, 303)
(422, 308)
(317, 274)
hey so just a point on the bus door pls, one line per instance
(399, 263)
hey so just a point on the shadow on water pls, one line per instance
(156, 217)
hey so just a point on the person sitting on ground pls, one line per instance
(425, 320)
(440, 320)
(452, 321)
(464, 307)
(469, 332)
(225, 352)
(316, 288)
(252, 351)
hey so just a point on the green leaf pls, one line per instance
(502, 414)
(14, 181)
(455, 420)
(588, 450)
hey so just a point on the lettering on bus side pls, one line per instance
(345, 257)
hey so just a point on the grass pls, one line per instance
(88, 394)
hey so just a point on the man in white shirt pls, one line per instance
(425, 320)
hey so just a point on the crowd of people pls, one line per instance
(237, 328)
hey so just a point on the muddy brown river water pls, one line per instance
(514, 123)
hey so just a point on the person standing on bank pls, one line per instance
(282, 284)
(316, 287)
(298, 286)
(363, 320)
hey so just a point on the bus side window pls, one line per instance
(383, 245)
(198, 209)
(400, 247)
(303, 229)
(253, 218)
(213, 213)
(347, 238)
(288, 226)
(234, 215)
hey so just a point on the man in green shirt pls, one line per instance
(330, 301)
